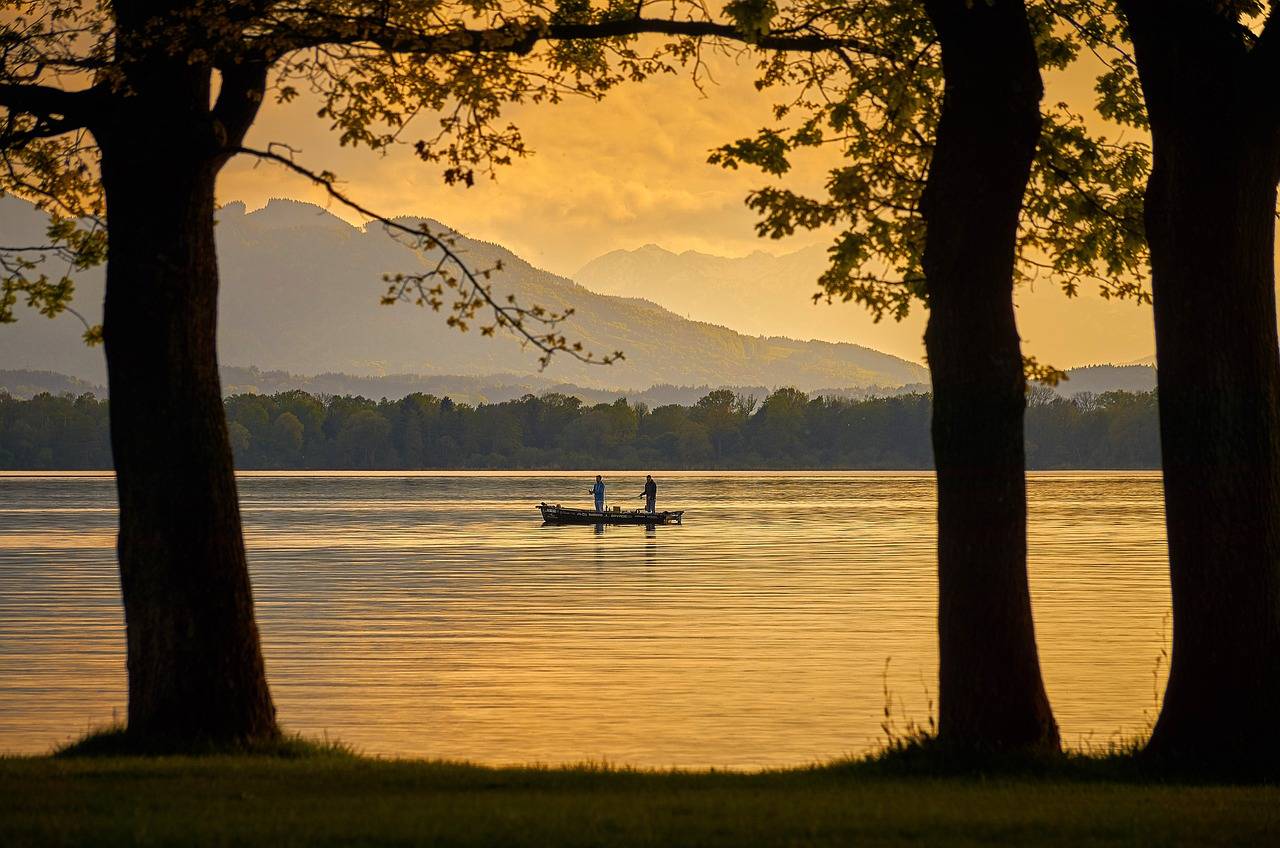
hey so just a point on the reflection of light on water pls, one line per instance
(432, 615)
(56, 540)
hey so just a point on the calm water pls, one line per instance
(431, 615)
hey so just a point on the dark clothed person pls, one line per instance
(650, 494)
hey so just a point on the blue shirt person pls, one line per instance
(598, 491)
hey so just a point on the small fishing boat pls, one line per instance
(556, 514)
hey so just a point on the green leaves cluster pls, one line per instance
(752, 17)
(43, 276)
(48, 160)
(879, 107)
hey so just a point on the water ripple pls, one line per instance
(431, 615)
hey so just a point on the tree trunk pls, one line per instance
(1210, 222)
(1211, 233)
(196, 675)
(991, 696)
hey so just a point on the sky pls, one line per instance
(632, 170)
(621, 173)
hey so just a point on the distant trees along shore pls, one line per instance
(787, 430)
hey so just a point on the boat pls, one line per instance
(556, 514)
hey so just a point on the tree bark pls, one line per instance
(1210, 222)
(195, 668)
(991, 695)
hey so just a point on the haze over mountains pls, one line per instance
(762, 293)
(758, 293)
(299, 303)
(300, 292)
(474, 390)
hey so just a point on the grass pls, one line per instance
(326, 795)
(115, 741)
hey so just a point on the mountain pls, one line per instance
(498, 388)
(23, 383)
(300, 292)
(1108, 378)
(761, 293)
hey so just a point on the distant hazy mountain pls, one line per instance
(23, 383)
(496, 388)
(300, 290)
(761, 293)
(1108, 378)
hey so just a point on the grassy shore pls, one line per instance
(337, 799)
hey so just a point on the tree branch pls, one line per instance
(508, 315)
(1265, 56)
(44, 128)
(74, 107)
(798, 41)
(243, 86)
(520, 37)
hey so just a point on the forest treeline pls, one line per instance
(786, 430)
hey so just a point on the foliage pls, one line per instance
(377, 69)
(54, 432)
(1083, 209)
(863, 77)
(43, 275)
(788, 430)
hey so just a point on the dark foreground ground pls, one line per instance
(336, 800)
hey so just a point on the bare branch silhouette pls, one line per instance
(534, 324)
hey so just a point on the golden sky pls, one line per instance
(632, 170)
(620, 173)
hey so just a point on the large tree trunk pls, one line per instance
(991, 695)
(196, 674)
(1210, 221)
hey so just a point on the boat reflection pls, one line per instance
(650, 530)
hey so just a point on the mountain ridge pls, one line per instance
(762, 292)
(300, 292)
(496, 388)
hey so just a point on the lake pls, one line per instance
(431, 615)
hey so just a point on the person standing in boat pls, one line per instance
(650, 494)
(598, 491)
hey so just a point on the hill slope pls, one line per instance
(1108, 378)
(759, 293)
(764, 293)
(300, 290)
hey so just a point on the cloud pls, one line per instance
(626, 171)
